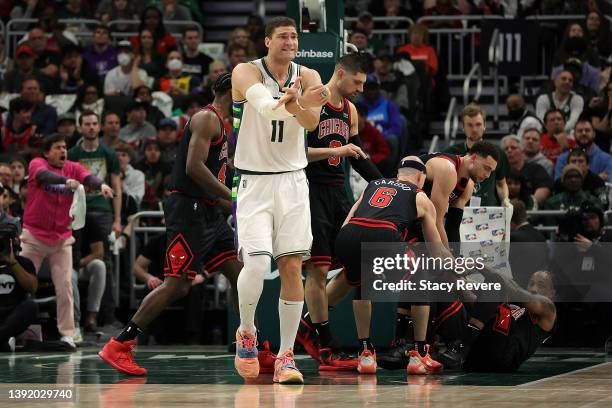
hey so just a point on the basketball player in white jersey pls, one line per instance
(275, 100)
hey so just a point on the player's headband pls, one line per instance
(413, 164)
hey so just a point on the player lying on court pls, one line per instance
(490, 336)
(335, 137)
(449, 184)
(197, 235)
(386, 208)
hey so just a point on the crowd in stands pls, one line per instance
(118, 108)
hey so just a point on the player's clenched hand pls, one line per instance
(290, 93)
(315, 96)
(349, 150)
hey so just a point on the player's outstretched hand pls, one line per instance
(291, 93)
(350, 150)
(315, 96)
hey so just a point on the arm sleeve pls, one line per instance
(263, 102)
(92, 182)
(364, 167)
(45, 176)
(452, 224)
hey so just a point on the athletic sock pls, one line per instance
(307, 318)
(419, 346)
(129, 332)
(366, 344)
(322, 329)
(289, 313)
(403, 327)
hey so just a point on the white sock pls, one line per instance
(250, 286)
(289, 314)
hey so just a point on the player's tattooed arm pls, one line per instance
(205, 127)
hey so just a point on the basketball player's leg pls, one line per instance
(253, 201)
(292, 242)
(186, 223)
(314, 330)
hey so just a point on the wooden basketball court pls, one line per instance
(205, 377)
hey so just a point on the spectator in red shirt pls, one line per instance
(152, 20)
(18, 128)
(555, 140)
(372, 141)
(419, 49)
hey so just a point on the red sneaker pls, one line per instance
(331, 361)
(367, 362)
(120, 357)
(307, 338)
(266, 358)
(419, 365)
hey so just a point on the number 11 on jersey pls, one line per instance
(277, 125)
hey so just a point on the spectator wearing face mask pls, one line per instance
(123, 79)
(175, 82)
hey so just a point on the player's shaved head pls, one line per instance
(412, 169)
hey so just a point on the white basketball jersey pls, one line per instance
(264, 145)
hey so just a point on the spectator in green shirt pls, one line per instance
(573, 195)
(102, 162)
(494, 190)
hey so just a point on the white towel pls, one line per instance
(78, 209)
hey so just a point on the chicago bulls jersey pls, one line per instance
(456, 161)
(387, 201)
(333, 131)
(216, 161)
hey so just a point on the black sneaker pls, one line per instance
(396, 357)
(454, 356)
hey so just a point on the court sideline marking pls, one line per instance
(541, 380)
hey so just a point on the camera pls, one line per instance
(572, 223)
(8, 233)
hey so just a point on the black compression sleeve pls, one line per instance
(452, 224)
(365, 167)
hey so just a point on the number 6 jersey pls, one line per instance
(387, 203)
(264, 145)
